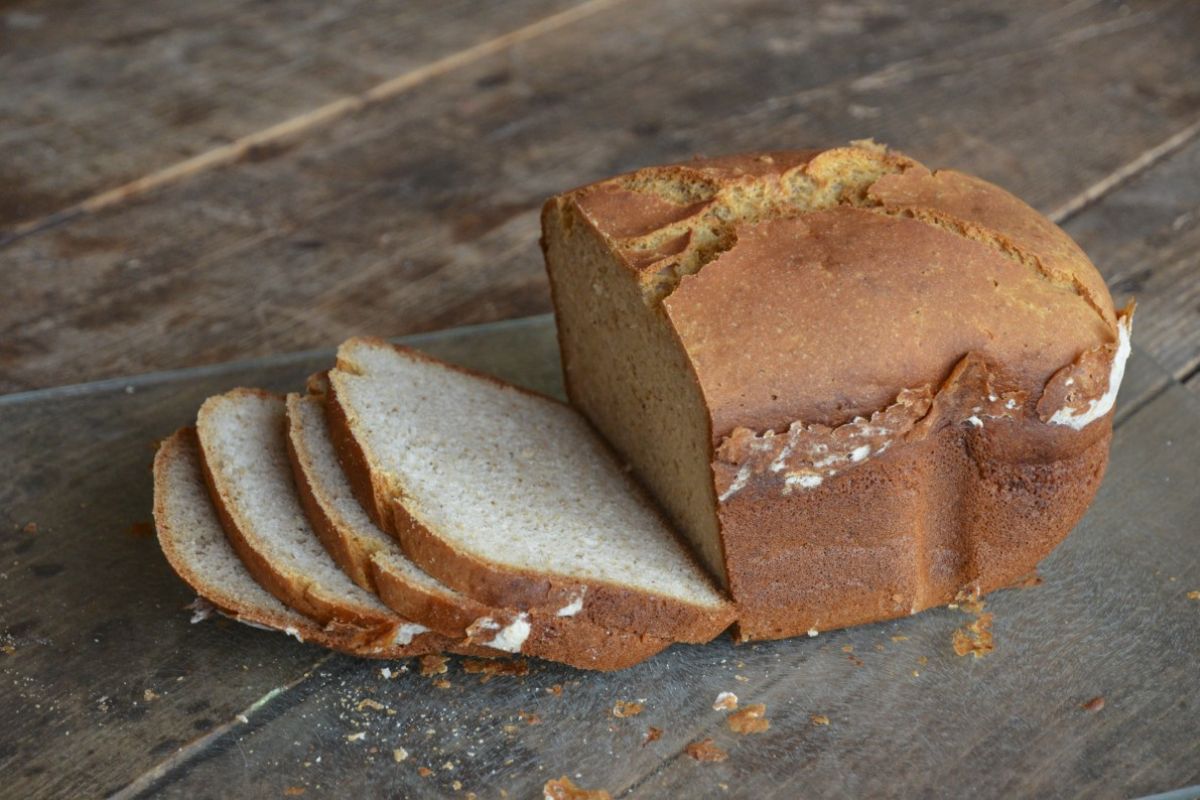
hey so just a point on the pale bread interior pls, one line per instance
(509, 477)
(242, 434)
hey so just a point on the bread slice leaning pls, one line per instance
(375, 561)
(194, 543)
(244, 456)
(510, 497)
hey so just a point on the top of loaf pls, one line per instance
(818, 285)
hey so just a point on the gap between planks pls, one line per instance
(150, 779)
(302, 123)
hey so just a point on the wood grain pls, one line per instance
(421, 212)
(1145, 238)
(94, 619)
(94, 96)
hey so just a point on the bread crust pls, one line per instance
(812, 291)
(181, 447)
(366, 630)
(567, 640)
(608, 606)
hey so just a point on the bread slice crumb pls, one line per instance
(726, 701)
(751, 719)
(819, 719)
(626, 708)
(704, 750)
(565, 789)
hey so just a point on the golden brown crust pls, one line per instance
(820, 298)
(608, 606)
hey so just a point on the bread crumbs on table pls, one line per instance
(30, 527)
(726, 701)
(1095, 704)
(565, 789)
(356, 737)
(456, 785)
(626, 708)
(899, 638)
(705, 750)
(442, 683)
(433, 665)
(424, 772)
(369, 703)
(555, 690)
(488, 669)
(751, 719)
(819, 719)
(741, 678)
(976, 638)
(1193, 595)
(294, 791)
(652, 735)
(399, 754)
(529, 718)
(150, 695)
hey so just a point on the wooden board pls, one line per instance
(95, 96)
(105, 684)
(420, 212)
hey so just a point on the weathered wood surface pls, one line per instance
(420, 212)
(94, 618)
(95, 95)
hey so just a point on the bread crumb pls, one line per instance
(433, 665)
(386, 672)
(399, 754)
(923, 660)
(855, 660)
(442, 683)
(705, 750)
(976, 638)
(751, 719)
(456, 785)
(652, 735)
(916, 674)
(626, 708)
(741, 678)
(1193, 595)
(424, 772)
(294, 791)
(847, 648)
(488, 669)
(356, 737)
(555, 690)
(726, 701)
(150, 695)
(813, 631)
(448, 766)
(819, 719)
(509, 728)
(529, 718)
(1095, 704)
(30, 527)
(564, 789)
(369, 703)
(899, 638)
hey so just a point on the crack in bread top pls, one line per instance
(815, 286)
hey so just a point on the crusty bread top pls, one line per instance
(513, 480)
(815, 286)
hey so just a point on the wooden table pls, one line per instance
(185, 185)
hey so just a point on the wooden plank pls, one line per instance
(1112, 619)
(94, 617)
(1145, 237)
(421, 212)
(91, 617)
(93, 96)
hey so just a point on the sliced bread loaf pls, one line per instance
(375, 561)
(244, 455)
(510, 497)
(194, 543)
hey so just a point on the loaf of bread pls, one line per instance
(856, 385)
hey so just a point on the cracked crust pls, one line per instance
(783, 300)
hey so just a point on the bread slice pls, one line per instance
(245, 462)
(375, 562)
(510, 497)
(194, 543)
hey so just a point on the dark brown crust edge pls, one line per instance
(606, 605)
